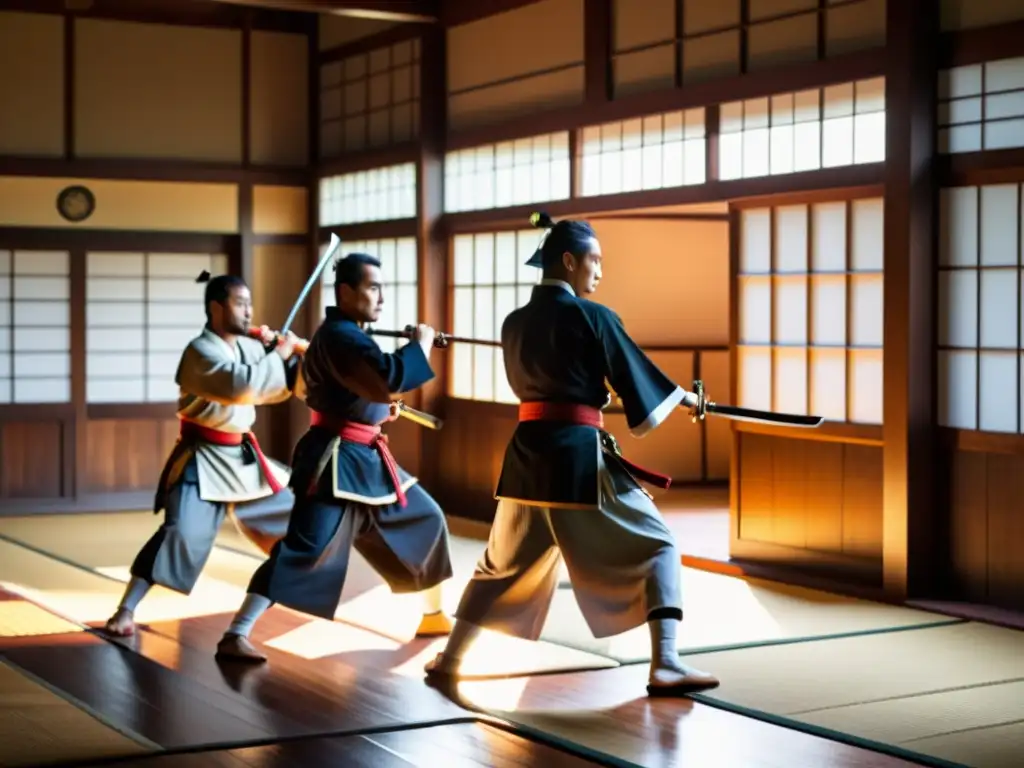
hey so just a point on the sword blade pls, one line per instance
(332, 248)
(764, 417)
(419, 417)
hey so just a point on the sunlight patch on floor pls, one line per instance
(319, 639)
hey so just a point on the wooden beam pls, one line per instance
(431, 243)
(384, 10)
(597, 50)
(914, 498)
(783, 79)
(150, 170)
(199, 13)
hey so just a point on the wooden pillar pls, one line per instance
(913, 497)
(597, 50)
(432, 244)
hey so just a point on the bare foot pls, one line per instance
(237, 648)
(121, 624)
(434, 625)
(677, 679)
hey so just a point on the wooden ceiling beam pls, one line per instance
(421, 11)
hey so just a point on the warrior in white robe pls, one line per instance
(565, 490)
(217, 466)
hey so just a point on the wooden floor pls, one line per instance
(367, 706)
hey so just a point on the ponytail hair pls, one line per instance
(568, 235)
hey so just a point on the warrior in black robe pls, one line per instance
(349, 489)
(565, 490)
(217, 467)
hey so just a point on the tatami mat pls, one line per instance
(19, 618)
(37, 726)
(902, 689)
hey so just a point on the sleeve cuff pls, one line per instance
(660, 413)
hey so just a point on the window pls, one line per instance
(645, 153)
(981, 107)
(519, 172)
(810, 310)
(382, 194)
(400, 272)
(141, 311)
(979, 308)
(805, 131)
(370, 100)
(490, 279)
(35, 327)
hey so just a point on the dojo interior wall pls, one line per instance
(164, 118)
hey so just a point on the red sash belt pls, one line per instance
(587, 416)
(189, 429)
(364, 434)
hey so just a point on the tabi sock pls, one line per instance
(252, 608)
(432, 600)
(663, 642)
(133, 594)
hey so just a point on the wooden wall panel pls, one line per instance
(279, 100)
(516, 62)
(31, 84)
(660, 48)
(821, 497)
(157, 91)
(27, 201)
(970, 14)
(689, 304)
(470, 456)
(280, 210)
(126, 454)
(279, 272)
(334, 31)
(987, 529)
(31, 460)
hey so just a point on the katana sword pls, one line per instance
(705, 406)
(332, 247)
(441, 340)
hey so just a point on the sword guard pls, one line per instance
(699, 410)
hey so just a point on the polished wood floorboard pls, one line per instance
(463, 744)
(610, 711)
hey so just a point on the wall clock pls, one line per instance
(76, 203)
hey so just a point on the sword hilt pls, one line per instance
(440, 338)
(701, 408)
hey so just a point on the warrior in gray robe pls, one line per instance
(350, 492)
(565, 490)
(216, 467)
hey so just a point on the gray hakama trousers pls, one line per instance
(177, 552)
(407, 546)
(621, 557)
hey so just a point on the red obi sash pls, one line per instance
(191, 430)
(364, 434)
(587, 416)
